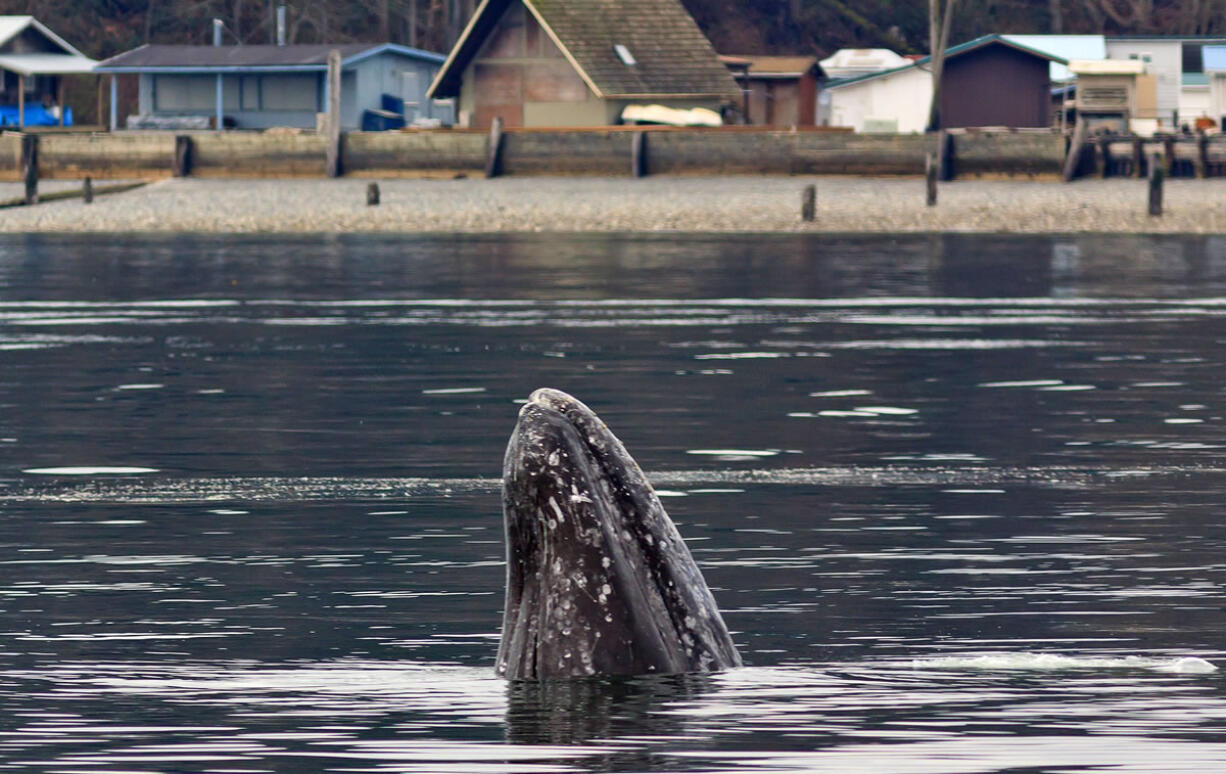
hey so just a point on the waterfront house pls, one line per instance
(1179, 67)
(262, 86)
(776, 90)
(33, 64)
(988, 81)
(580, 63)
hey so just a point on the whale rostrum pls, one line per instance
(599, 581)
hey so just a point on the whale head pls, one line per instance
(599, 581)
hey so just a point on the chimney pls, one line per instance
(280, 25)
(217, 28)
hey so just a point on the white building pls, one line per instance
(894, 101)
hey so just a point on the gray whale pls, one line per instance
(599, 581)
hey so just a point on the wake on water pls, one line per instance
(1050, 662)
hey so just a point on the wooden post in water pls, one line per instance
(334, 114)
(1202, 154)
(493, 159)
(931, 167)
(808, 204)
(87, 190)
(183, 156)
(29, 166)
(372, 194)
(638, 155)
(1138, 158)
(1157, 173)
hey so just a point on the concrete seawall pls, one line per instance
(595, 152)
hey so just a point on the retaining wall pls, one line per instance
(981, 154)
(74, 156)
(242, 154)
(414, 154)
(605, 152)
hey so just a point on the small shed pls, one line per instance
(262, 86)
(33, 63)
(580, 63)
(777, 90)
(1113, 92)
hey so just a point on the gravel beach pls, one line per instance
(704, 204)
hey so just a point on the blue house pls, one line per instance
(262, 86)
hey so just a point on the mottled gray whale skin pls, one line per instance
(599, 581)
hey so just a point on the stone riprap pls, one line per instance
(703, 204)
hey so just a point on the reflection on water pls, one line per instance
(957, 497)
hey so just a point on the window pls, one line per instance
(290, 92)
(184, 92)
(624, 54)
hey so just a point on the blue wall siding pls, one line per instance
(363, 85)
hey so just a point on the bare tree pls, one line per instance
(938, 38)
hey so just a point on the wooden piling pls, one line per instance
(1072, 159)
(87, 190)
(1138, 157)
(1157, 173)
(1103, 158)
(183, 156)
(808, 204)
(493, 159)
(638, 155)
(945, 151)
(29, 166)
(372, 194)
(931, 167)
(1202, 154)
(333, 161)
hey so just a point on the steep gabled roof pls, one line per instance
(12, 26)
(192, 58)
(671, 57)
(67, 60)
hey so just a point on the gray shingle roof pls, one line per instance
(178, 57)
(672, 56)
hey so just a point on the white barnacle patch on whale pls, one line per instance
(557, 512)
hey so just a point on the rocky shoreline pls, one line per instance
(574, 204)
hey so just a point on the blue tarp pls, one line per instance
(36, 115)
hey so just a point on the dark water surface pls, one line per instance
(960, 499)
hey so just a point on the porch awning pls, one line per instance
(47, 64)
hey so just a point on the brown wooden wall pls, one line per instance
(518, 63)
(781, 102)
(996, 85)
